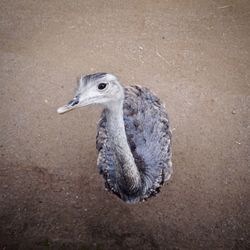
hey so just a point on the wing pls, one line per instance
(149, 137)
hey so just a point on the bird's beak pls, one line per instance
(71, 105)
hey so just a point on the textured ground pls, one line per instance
(193, 54)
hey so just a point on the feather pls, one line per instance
(149, 138)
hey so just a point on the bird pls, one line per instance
(133, 140)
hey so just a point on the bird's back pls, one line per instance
(149, 137)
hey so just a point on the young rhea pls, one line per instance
(133, 136)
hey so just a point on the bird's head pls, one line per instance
(99, 88)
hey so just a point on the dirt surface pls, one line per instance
(193, 54)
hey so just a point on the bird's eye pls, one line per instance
(102, 86)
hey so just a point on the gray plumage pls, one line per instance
(149, 137)
(133, 136)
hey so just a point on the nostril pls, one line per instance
(76, 102)
(73, 102)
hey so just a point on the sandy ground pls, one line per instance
(193, 54)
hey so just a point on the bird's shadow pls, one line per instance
(49, 214)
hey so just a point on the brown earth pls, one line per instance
(193, 54)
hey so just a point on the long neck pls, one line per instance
(126, 170)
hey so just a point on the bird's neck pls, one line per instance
(126, 169)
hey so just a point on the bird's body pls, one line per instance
(133, 139)
(149, 138)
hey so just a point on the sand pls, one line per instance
(193, 54)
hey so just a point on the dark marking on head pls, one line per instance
(88, 79)
(93, 77)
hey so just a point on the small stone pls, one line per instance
(77, 205)
(233, 112)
